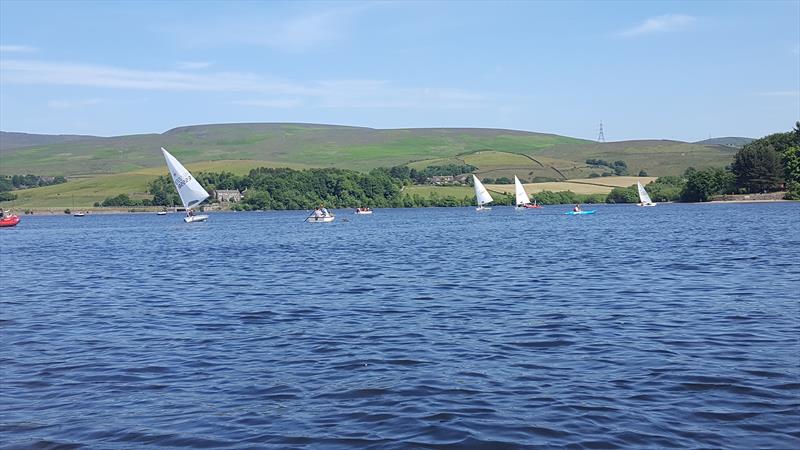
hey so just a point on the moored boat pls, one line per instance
(9, 220)
(321, 219)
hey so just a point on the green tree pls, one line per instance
(791, 163)
(623, 195)
(701, 185)
(758, 168)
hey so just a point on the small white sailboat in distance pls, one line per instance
(190, 191)
(481, 194)
(522, 200)
(644, 199)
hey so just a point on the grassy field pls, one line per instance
(136, 160)
(354, 148)
(84, 192)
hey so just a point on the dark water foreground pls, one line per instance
(674, 326)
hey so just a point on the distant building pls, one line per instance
(447, 180)
(228, 195)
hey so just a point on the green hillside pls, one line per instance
(135, 160)
(349, 147)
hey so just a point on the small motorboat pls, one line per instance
(363, 210)
(321, 219)
(9, 220)
(79, 214)
(161, 213)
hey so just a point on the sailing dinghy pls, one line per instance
(190, 191)
(482, 195)
(644, 198)
(522, 199)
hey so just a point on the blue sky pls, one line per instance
(671, 70)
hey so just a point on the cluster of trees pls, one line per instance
(125, 200)
(407, 175)
(770, 164)
(619, 168)
(10, 183)
(14, 182)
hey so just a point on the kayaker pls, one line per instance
(577, 208)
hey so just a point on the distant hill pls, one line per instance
(737, 142)
(496, 152)
(10, 140)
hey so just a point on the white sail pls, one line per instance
(192, 194)
(519, 190)
(481, 193)
(643, 197)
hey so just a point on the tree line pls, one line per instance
(15, 182)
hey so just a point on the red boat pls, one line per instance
(9, 221)
(533, 206)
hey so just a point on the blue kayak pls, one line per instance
(573, 213)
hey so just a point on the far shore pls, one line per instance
(61, 211)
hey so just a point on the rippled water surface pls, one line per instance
(674, 326)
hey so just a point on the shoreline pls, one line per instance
(101, 211)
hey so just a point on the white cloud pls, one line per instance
(66, 104)
(17, 49)
(193, 65)
(660, 24)
(285, 94)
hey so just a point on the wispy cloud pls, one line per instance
(17, 49)
(295, 34)
(193, 65)
(274, 92)
(67, 104)
(76, 74)
(660, 24)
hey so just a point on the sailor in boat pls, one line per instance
(190, 213)
(323, 211)
(577, 208)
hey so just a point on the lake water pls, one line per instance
(674, 326)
